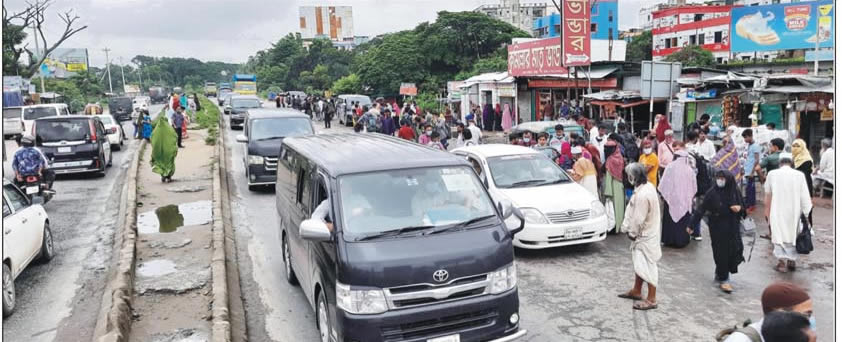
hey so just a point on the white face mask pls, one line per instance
(647, 150)
(720, 183)
(429, 132)
(526, 140)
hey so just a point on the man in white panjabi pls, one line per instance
(642, 224)
(787, 198)
(826, 170)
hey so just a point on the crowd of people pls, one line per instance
(168, 131)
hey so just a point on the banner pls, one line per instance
(408, 89)
(13, 83)
(131, 89)
(537, 57)
(782, 26)
(65, 62)
(576, 30)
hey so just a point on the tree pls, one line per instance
(692, 56)
(35, 15)
(347, 85)
(640, 48)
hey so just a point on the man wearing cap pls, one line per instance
(584, 171)
(787, 198)
(780, 296)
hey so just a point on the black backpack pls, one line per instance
(704, 174)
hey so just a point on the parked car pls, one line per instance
(415, 249)
(221, 93)
(26, 237)
(113, 130)
(558, 211)
(345, 101)
(237, 107)
(264, 130)
(31, 113)
(120, 108)
(12, 122)
(74, 143)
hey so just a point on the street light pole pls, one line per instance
(123, 74)
(108, 70)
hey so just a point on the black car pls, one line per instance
(405, 243)
(73, 143)
(263, 131)
(120, 108)
(238, 106)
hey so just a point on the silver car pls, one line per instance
(12, 121)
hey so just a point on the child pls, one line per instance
(435, 141)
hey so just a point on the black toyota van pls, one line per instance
(395, 241)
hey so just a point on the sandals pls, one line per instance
(628, 295)
(725, 287)
(645, 305)
(781, 267)
(790, 264)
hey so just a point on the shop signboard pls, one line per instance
(12, 83)
(701, 95)
(822, 55)
(576, 30)
(536, 57)
(506, 90)
(660, 79)
(782, 26)
(131, 89)
(408, 89)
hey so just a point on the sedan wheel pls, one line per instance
(290, 273)
(323, 323)
(47, 247)
(8, 291)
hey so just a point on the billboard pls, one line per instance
(537, 57)
(408, 89)
(576, 30)
(65, 62)
(660, 79)
(782, 26)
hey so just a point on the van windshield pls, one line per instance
(245, 103)
(38, 112)
(11, 113)
(265, 129)
(431, 197)
(58, 130)
(525, 171)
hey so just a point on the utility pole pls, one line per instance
(818, 38)
(35, 36)
(108, 70)
(123, 74)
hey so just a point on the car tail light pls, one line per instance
(31, 179)
(113, 130)
(93, 130)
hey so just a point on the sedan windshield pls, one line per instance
(58, 130)
(525, 170)
(413, 199)
(264, 129)
(245, 103)
(38, 112)
(11, 113)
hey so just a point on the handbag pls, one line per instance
(804, 241)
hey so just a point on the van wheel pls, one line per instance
(110, 158)
(8, 291)
(47, 248)
(322, 322)
(289, 273)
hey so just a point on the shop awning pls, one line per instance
(623, 105)
(491, 77)
(798, 89)
(596, 74)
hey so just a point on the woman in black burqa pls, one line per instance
(722, 205)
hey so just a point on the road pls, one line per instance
(60, 301)
(567, 294)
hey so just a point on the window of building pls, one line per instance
(557, 28)
(693, 40)
(667, 43)
(719, 60)
(698, 17)
(717, 37)
(745, 58)
(701, 38)
(675, 42)
(593, 27)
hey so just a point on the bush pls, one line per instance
(208, 118)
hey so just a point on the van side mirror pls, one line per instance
(314, 230)
(242, 138)
(507, 209)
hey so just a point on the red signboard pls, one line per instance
(537, 57)
(408, 89)
(576, 30)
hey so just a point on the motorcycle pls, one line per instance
(37, 186)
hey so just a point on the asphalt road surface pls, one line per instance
(60, 301)
(567, 294)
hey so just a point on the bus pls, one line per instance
(245, 84)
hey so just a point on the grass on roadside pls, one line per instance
(208, 118)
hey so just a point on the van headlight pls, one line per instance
(503, 279)
(532, 215)
(597, 209)
(255, 160)
(362, 302)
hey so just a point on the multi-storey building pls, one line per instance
(332, 22)
(604, 21)
(705, 25)
(515, 13)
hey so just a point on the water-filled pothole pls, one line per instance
(168, 219)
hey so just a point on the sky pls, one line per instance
(232, 30)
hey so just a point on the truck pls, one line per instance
(245, 84)
(158, 94)
(210, 89)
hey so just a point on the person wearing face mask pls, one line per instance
(427, 136)
(665, 151)
(613, 188)
(527, 140)
(650, 161)
(779, 296)
(722, 205)
(584, 171)
(599, 140)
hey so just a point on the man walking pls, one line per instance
(751, 162)
(177, 122)
(642, 224)
(787, 199)
(329, 111)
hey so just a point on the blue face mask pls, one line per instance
(813, 323)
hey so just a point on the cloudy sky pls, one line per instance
(232, 30)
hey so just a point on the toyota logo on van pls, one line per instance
(440, 275)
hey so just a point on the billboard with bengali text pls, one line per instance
(65, 62)
(782, 26)
(536, 57)
(576, 30)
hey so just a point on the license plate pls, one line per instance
(31, 190)
(573, 233)
(65, 149)
(449, 338)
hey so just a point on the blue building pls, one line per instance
(604, 22)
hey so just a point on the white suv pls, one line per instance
(26, 237)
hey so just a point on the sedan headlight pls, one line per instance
(532, 215)
(255, 160)
(503, 279)
(362, 302)
(597, 209)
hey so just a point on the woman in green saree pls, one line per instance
(164, 149)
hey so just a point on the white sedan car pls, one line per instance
(558, 211)
(26, 237)
(113, 131)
